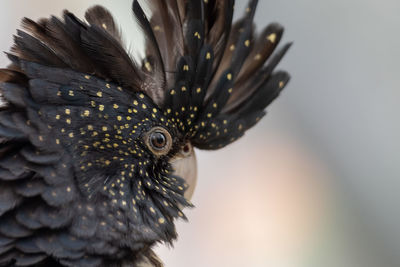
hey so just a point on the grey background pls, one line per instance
(340, 113)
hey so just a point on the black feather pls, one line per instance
(8, 198)
(9, 227)
(154, 81)
(111, 58)
(101, 17)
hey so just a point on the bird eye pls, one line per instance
(159, 141)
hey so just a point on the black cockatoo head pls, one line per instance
(97, 159)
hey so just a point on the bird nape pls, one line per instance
(96, 149)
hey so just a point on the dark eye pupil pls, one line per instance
(158, 140)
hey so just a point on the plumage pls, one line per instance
(89, 136)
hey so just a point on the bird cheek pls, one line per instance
(186, 168)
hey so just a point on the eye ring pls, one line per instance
(159, 141)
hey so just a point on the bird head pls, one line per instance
(110, 141)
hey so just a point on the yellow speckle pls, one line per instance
(119, 88)
(108, 85)
(41, 138)
(208, 55)
(152, 210)
(86, 113)
(115, 106)
(68, 189)
(197, 34)
(71, 93)
(58, 117)
(185, 67)
(240, 127)
(128, 118)
(101, 107)
(144, 106)
(198, 90)
(272, 37)
(93, 103)
(225, 122)
(87, 77)
(99, 94)
(104, 26)
(141, 96)
(67, 111)
(215, 105)
(168, 110)
(59, 93)
(107, 162)
(119, 118)
(281, 85)
(172, 92)
(183, 88)
(68, 121)
(57, 141)
(161, 220)
(104, 128)
(148, 66)
(247, 43)
(156, 28)
(232, 47)
(209, 115)
(71, 135)
(229, 76)
(134, 110)
(230, 90)
(257, 57)
(90, 127)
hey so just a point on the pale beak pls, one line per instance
(185, 166)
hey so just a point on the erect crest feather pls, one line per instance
(195, 59)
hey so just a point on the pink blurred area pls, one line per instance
(258, 202)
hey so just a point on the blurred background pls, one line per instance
(316, 182)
